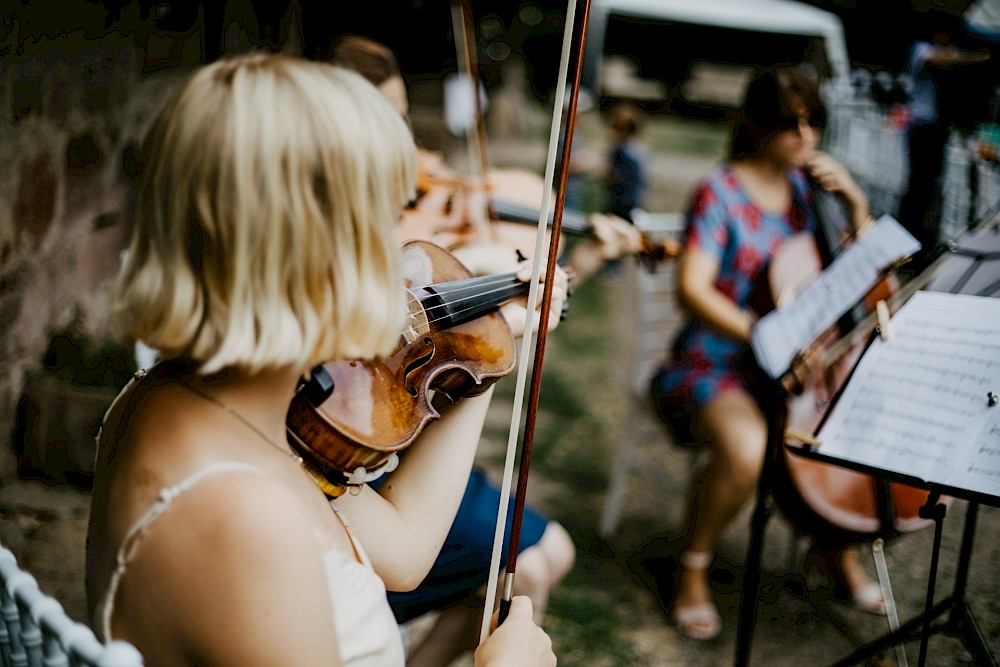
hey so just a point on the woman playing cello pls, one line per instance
(705, 390)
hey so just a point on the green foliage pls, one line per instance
(683, 136)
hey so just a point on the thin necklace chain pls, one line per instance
(225, 406)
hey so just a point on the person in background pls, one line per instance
(626, 171)
(707, 386)
(265, 243)
(929, 64)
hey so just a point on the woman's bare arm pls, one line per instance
(697, 272)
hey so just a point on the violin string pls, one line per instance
(461, 300)
(504, 286)
(496, 288)
(451, 286)
(449, 316)
(453, 315)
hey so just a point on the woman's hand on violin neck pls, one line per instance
(835, 177)
(613, 238)
(616, 237)
(516, 312)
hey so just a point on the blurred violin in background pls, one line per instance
(504, 210)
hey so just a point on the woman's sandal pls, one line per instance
(867, 598)
(700, 621)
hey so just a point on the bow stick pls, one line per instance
(465, 43)
(553, 250)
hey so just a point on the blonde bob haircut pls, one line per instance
(265, 219)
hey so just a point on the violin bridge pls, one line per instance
(882, 315)
(785, 296)
(803, 437)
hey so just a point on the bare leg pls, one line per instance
(543, 565)
(859, 584)
(539, 568)
(737, 431)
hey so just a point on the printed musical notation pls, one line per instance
(778, 336)
(918, 404)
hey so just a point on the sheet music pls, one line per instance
(918, 405)
(979, 469)
(779, 335)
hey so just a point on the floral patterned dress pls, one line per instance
(726, 225)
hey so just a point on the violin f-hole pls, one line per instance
(425, 352)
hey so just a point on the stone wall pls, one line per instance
(79, 84)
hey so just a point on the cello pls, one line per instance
(835, 505)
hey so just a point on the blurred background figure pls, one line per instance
(930, 63)
(626, 162)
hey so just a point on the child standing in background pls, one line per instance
(626, 162)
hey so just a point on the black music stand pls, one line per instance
(972, 267)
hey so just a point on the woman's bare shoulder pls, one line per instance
(233, 546)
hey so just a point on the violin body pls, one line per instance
(830, 502)
(378, 407)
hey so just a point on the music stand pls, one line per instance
(971, 268)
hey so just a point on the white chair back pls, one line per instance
(36, 632)
(655, 316)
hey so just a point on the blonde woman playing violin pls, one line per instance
(265, 243)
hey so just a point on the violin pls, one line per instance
(832, 503)
(512, 209)
(350, 418)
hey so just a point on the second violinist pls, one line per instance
(450, 214)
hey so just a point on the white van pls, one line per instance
(703, 51)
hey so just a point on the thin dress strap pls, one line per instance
(359, 551)
(130, 545)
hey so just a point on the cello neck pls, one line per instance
(832, 225)
(832, 222)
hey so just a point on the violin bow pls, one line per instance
(465, 42)
(542, 336)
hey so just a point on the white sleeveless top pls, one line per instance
(366, 629)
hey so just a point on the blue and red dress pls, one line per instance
(726, 225)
